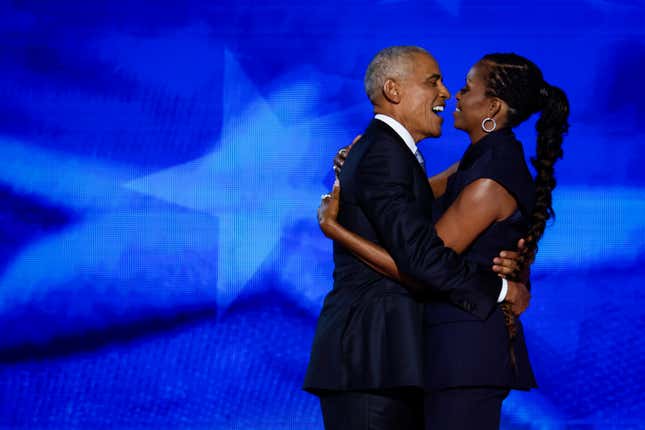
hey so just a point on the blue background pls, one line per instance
(160, 168)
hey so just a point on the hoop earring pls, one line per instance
(485, 120)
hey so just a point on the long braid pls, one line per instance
(520, 83)
(550, 127)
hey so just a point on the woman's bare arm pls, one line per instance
(439, 181)
(370, 253)
(477, 206)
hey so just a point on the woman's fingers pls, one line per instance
(341, 155)
(335, 192)
(339, 159)
(321, 210)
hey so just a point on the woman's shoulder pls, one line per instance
(503, 153)
(503, 161)
(506, 148)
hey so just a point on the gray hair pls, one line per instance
(394, 62)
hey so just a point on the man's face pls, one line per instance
(423, 98)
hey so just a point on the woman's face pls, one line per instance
(473, 105)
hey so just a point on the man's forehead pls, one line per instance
(426, 57)
(428, 64)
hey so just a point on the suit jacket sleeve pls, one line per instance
(385, 191)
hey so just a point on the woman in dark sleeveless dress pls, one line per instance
(486, 205)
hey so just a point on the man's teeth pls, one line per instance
(437, 109)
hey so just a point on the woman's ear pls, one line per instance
(495, 107)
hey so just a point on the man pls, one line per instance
(366, 361)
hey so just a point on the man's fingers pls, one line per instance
(506, 263)
(510, 254)
(356, 139)
(502, 270)
(520, 244)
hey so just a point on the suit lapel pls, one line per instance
(421, 187)
(381, 127)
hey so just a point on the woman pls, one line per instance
(487, 204)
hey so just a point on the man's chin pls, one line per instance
(434, 134)
(436, 127)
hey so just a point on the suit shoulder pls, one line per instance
(384, 162)
(384, 144)
(384, 155)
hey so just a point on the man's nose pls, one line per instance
(444, 92)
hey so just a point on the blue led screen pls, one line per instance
(161, 165)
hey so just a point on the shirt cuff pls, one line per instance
(502, 293)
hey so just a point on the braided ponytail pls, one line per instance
(519, 82)
(550, 127)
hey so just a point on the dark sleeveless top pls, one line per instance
(460, 349)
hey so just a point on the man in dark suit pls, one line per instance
(366, 362)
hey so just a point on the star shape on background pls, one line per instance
(185, 237)
(264, 174)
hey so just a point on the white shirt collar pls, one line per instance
(400, 130)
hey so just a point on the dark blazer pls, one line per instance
(369, 334)
(461, 350)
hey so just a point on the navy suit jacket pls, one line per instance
(369, 334)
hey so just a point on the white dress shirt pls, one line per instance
(409, 142)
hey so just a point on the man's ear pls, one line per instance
(392, 91)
